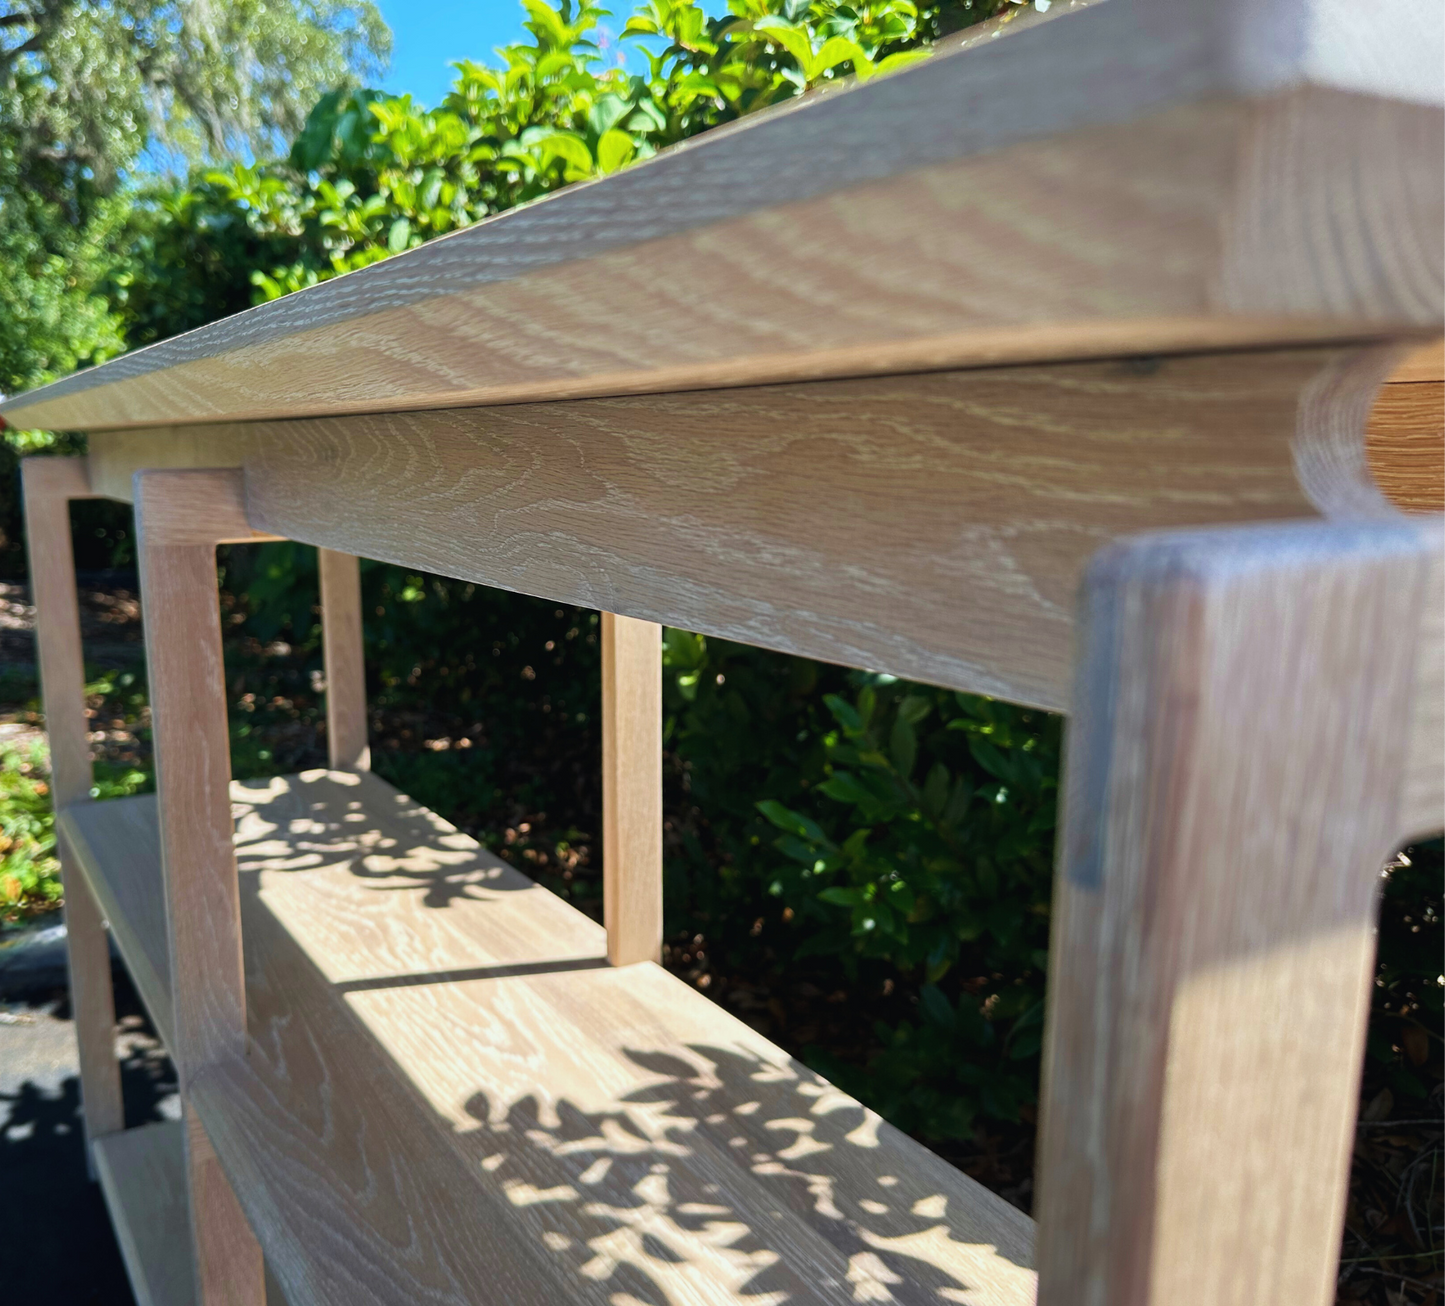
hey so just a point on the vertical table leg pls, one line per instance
(180, 517)
(49, 485)
(342, 650)
(1236, 770)
(632, 789)
(92, 1004)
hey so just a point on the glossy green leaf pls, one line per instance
(793, 822)
(615, 150)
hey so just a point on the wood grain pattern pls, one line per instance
(143, 1175)
(117, 847)
(49, 484)
(114, 458)
(1405, 435)
(1235, 780)
(1144, 176)
(344, 661)
(1406, 444)
(114, 847)
(771, 515)
(230, 1269)
(1427, 363)
(450, 1097)
(179, 518)
(209, 510)
(188, 705)
(605, 1117)
(632, 789)
(92, 1006)
(1423, 803)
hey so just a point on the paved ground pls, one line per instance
(59, 1248)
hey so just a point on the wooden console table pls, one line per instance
(1041, 370)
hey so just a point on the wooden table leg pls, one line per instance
(49, 485)
(342, 651)
(180, 517)
(632, 789)
(1238, 769)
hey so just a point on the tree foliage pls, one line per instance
(90, 84)
(95, 92)
(370, 175)
(55, 269)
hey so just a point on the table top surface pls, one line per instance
(1124, 177)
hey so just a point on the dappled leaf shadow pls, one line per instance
(657, 1172)
(322, 818)
(754, 1173)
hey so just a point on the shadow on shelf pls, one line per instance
(603, 1134)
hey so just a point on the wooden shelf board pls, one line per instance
(142, 1173)
(114, 843)
(449, 1094)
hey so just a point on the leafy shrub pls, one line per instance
(372, 174)
(29, 871)
(910, 836)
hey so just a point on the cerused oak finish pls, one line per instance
(49, 486)
(773, 514)
(1142, 176)
(632, 789)
(122, 837)
(176, 537)
(473, 1082)
(346, 729)
(1116, 284)
(1235, 780)
(142, 1172)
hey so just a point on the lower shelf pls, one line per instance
(117, 847)
(450, 1097)
(142, 1173)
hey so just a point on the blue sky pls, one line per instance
(428, 34)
